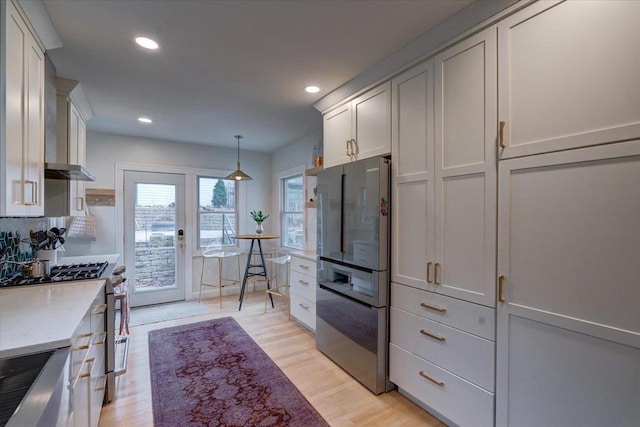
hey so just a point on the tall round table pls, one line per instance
(262, 266)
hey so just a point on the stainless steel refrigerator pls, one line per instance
(352, 307)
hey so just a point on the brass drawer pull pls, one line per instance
(101, 377)
(87, 345)
(427, 377)
(99, 309)
(433, 307)
(305, 306)
(430, 335)
(429, 264)
(306, 267)
(102, 335)
(304, 282)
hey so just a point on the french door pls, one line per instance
(154, 218)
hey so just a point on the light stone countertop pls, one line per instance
(38, 318)
(310, 255)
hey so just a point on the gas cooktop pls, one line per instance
(59, 273)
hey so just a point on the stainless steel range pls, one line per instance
(59, 273)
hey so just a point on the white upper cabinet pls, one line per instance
(359, 129)
(67, 197)
(22, 118)
(569, 76)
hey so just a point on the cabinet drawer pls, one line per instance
(303, 310)
(473, 318)
(80, 344)
(457, 399)
(303, 285)
(303, 265)
(466, 355)
(98, 314)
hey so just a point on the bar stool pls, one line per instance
(276, 287)
(220, 256)
(255, 260)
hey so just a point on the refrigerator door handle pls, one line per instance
(342, 187)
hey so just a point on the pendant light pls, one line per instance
(238, 175)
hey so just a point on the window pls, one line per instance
(217, 211)
(292, 212)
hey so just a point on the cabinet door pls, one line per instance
(23, 142)
(412, 176)
(568, 329)
(465, 169)
(34, 142)
(76, 155)
(569, 75)
(372, 123)
(336, 126)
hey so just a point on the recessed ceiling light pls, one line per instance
(145, 120)
(312, 89)
(147, 43)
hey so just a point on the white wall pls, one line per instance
(104, 150)
(299, 153)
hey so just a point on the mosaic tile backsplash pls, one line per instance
(12, 233)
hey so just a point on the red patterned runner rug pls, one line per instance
(213, 374)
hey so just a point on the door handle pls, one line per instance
(501, 297)
(501, 135)
(181, 238)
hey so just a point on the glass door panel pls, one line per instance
(154, 233)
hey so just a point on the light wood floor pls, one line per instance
(340, 399)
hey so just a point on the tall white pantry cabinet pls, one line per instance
(568, 327)
(516, 221)
(442, 349)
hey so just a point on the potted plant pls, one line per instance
(259, 217)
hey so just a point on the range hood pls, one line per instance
(67, 172)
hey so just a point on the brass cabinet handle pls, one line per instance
(501, 137)
(81, 200)
(87, 361)
(353, 147)
(102, 335)
(87, 345)
(433, 307)
(99, 309)
(34, 193)
(349, 148)
(434, 336)
(433, 380)
(501, 297)
(436, 280)
(429, 264)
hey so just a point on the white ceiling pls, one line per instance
(227, 67)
